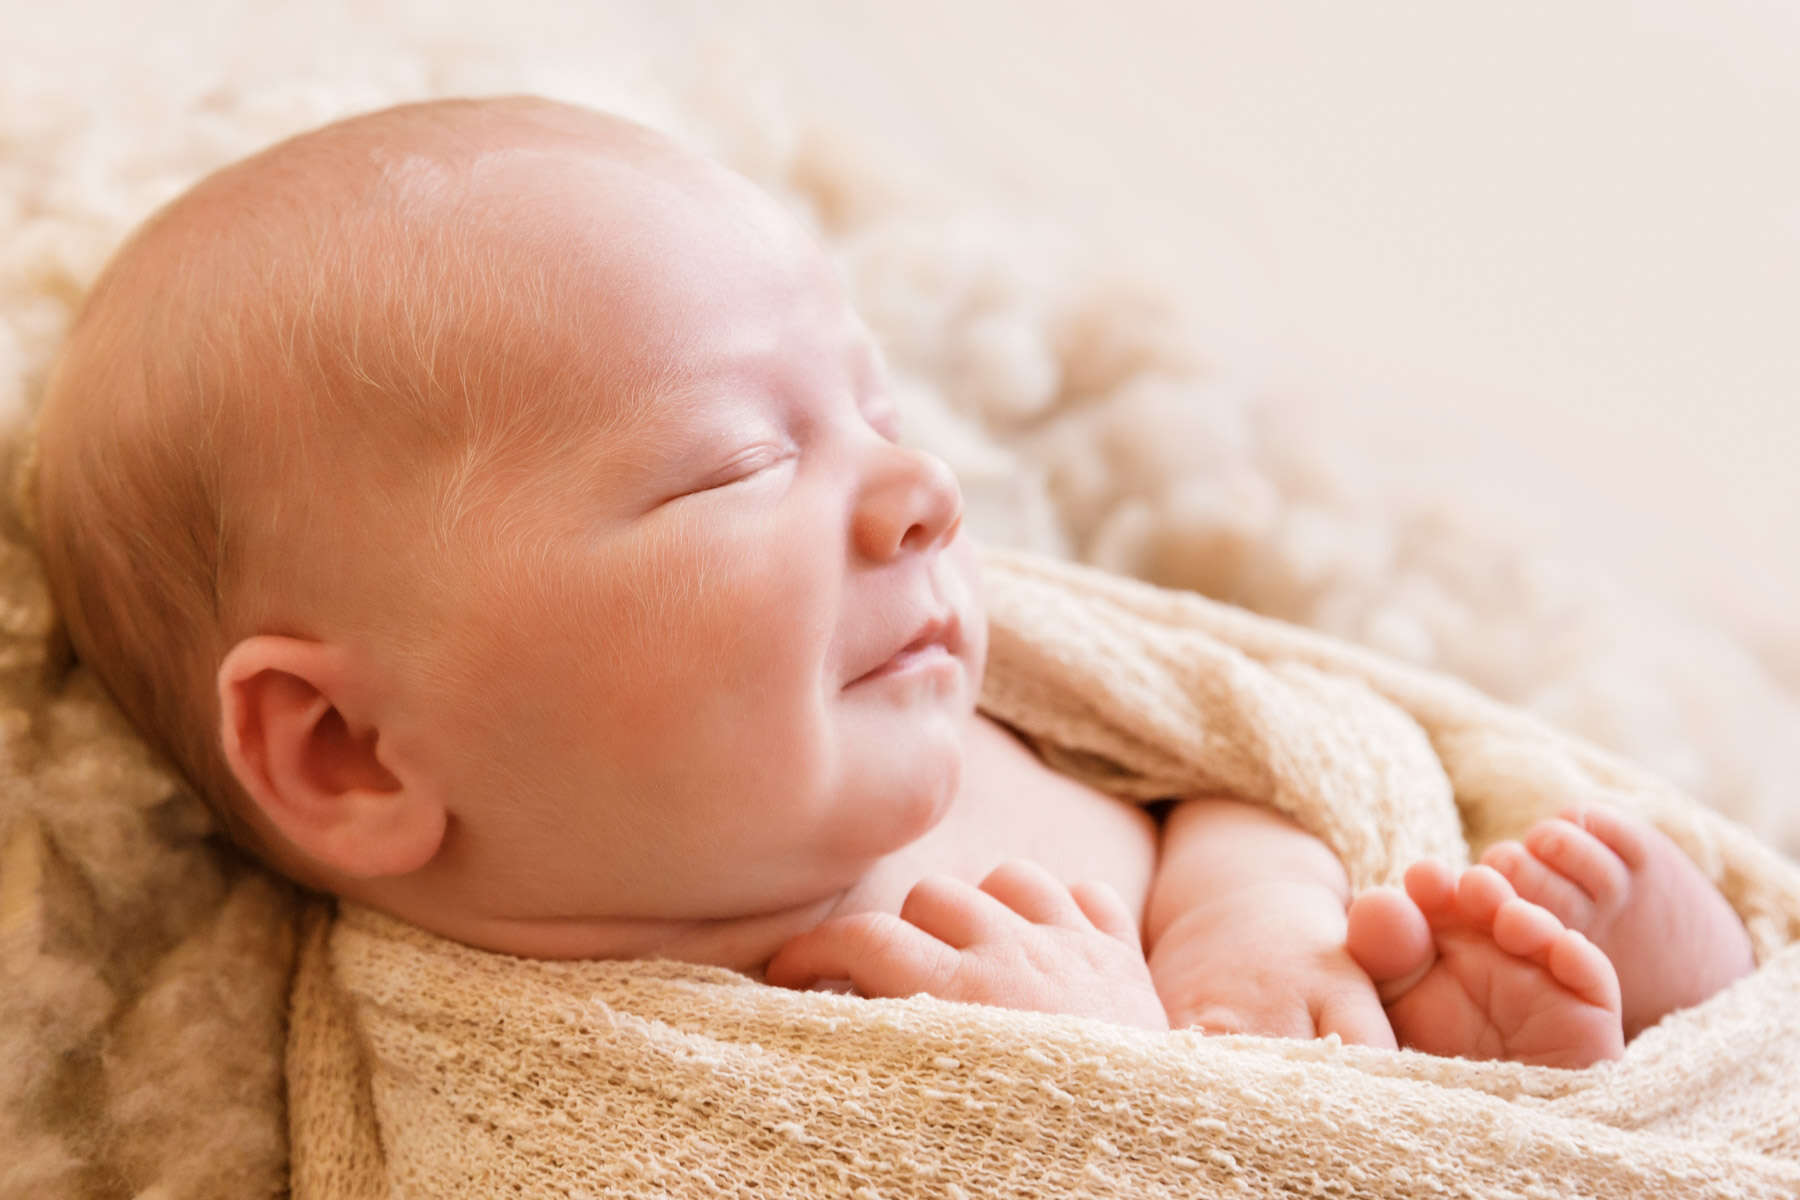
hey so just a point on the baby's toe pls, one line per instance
(1578, 965)
(1539, 884)
(1625, 836)
(1432, 886)
(1387, 935)
(1524, 930)
(1583, 859)
(1480, 892)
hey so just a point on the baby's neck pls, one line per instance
(743, 943)
(739, 943)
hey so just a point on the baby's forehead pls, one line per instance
(662, 285)
(486, 278)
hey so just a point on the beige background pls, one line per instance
(1561, 240)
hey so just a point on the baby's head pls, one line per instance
(493, 509)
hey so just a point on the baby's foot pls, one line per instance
(1468, 969)
(1671, 936)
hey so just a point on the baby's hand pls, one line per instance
(1268, 961)
(1023, 940)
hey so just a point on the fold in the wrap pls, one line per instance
(418, 1067)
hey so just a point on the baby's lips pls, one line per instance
(939, 629)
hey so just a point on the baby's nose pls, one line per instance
(910, 502)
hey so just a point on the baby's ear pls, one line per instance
(297, 733)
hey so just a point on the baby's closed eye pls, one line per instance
(745, 465)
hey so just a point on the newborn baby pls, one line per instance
(496, 512)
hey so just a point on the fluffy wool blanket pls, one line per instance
(420, 1067)
(145, 972)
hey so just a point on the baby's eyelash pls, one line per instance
(749, 464)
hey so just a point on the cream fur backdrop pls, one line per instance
(1079, 414)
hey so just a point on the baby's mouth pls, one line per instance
(932, 647)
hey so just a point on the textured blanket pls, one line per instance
(420, 1067)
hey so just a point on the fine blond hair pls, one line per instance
(303, 335)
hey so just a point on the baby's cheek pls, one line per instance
(964, 563)
(738, 635)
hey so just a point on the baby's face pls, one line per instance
(715, 652)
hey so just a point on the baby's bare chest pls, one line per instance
(1010, 805)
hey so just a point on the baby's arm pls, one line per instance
(1245, 929)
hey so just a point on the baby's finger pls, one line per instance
(955, 913)
(1034, 894)
(1107, 910)
(877, 952)
(1358, 1019)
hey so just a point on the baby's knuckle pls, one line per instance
(982, 977)
(945, 968)
(1050, 955)
(875, 933)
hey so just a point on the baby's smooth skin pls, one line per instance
(662, 645)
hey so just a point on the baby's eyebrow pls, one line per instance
(653, 402)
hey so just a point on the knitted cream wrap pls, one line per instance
(418, 1067)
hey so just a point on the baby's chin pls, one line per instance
(900, 791)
